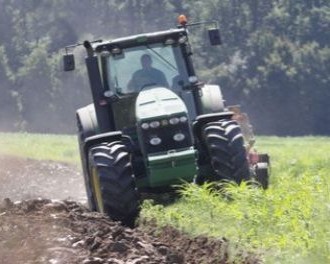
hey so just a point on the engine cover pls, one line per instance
(157, 103)
(162, 121)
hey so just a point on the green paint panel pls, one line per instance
(172, 168)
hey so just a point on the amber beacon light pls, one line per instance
(182, 20)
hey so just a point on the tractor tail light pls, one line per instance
(253, 157)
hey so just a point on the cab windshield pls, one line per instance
(139, 67)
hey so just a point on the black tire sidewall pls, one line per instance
(118, 188)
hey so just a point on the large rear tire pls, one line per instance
(225, 147)
(113, 182)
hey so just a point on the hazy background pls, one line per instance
(275, 60)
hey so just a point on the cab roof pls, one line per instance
(141, 39)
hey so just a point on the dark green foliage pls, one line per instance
(275, 62)
(275, 59)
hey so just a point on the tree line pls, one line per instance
(274, 61)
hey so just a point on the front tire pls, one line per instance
(225, 147)
(113, 182)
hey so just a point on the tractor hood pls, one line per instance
(162, 122)
(158, 103)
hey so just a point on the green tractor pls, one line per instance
(153, 124)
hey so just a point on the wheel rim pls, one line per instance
(97, 190)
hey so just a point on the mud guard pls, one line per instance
(88, 136)
(101, 138)
(87, 122)
(202, 120)
(211, 99)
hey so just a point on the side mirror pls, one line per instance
(214, 36)
(68, 62)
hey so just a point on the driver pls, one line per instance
(147, 75)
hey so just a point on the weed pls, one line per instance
(288, 222)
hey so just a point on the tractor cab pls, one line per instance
(161, 53)
(137, 63)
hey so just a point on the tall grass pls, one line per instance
(288, 223)
(40, 146)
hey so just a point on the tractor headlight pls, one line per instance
(183, 119)
(179, 137)
(164, 122)
(145, 126)
(183, 39)
(174, 120)
(155, 141)
(169, 41)
(154, 124)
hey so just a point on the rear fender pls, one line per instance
(211, 99)
(87, 127)
(89, 135)
(87, 122)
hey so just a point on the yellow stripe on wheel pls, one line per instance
(97, 190)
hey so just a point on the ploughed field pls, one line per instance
(43, 220)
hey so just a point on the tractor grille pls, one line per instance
(166, 135)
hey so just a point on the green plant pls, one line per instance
(288, 222)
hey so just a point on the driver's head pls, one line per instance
(146, 61)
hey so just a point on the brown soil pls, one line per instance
(28, 179)
(40, 230)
